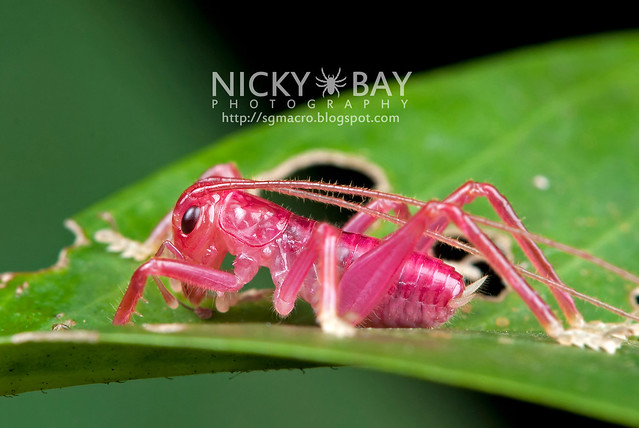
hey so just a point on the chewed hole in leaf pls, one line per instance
(328, 167)
(473, 268)
(494, 287)
(444, 251)
(634, 298)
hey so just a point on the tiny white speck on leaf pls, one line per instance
(541, 182)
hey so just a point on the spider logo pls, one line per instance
(331, 83)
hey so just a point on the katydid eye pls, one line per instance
(190, 218)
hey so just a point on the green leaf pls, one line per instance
(565, 112)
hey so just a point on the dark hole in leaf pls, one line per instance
(441, 250)
(634, 297)
(493, 286)
(328, 174)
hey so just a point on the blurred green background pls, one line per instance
(94, 96)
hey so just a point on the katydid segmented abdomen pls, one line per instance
(419, 295)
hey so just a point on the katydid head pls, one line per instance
(196, 231)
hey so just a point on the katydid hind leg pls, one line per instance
(369, 278)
